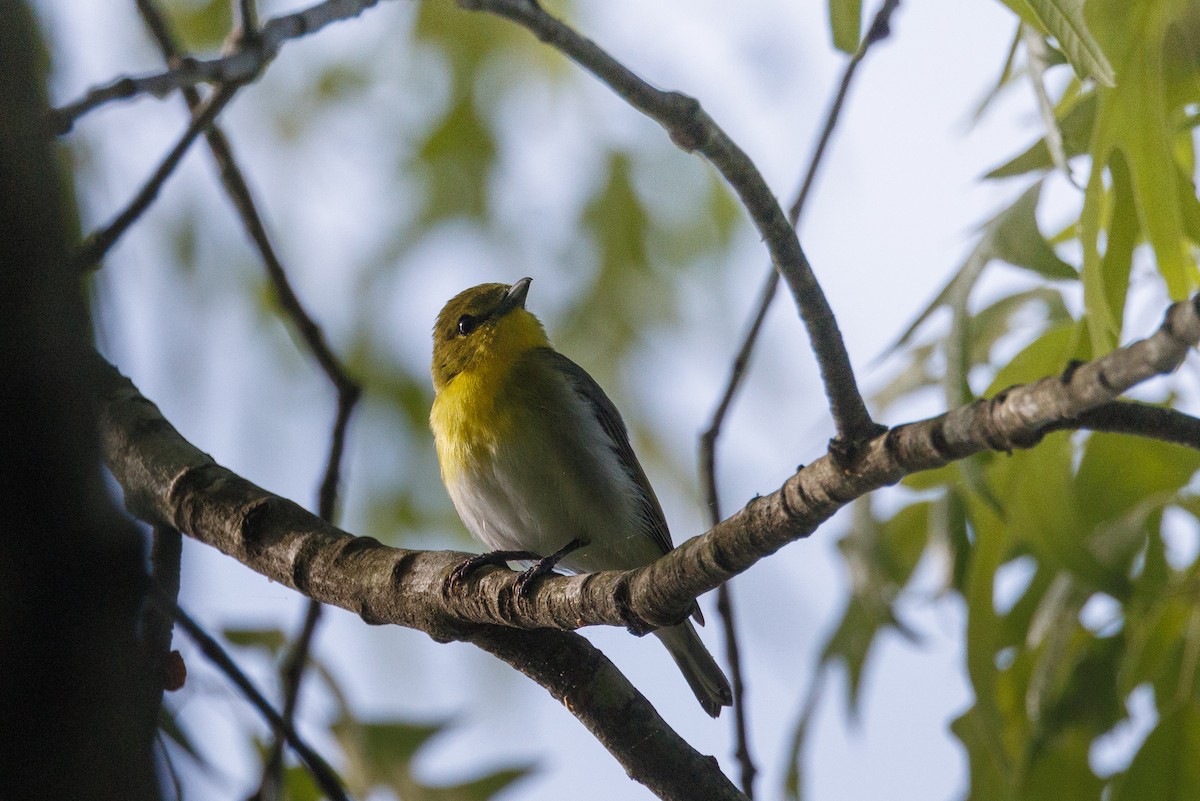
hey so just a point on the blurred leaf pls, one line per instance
(1012, 235)
(299, 785)
(456, 161)
(845, 23)
(1076, 126)
(1061, 771)
(1117, 473)
(983, 732)
(1024, 10)
(1006, 77)
(340, 81)
(1038, 61)
(989, 768)
(380, 755)
(994, 322)
(272, 640)
(1167, 766)
(1136, 118)
(1123, 234)
(169, 726)
(202, 24)
(480, 789)
(1047, 355)
(851, 644)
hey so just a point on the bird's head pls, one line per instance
(484, 328)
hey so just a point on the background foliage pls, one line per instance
(420, 149)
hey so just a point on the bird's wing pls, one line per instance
(610, 420)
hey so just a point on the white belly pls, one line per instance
(552, 489)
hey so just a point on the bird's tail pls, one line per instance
(698, 667)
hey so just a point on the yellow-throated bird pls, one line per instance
(538, 462)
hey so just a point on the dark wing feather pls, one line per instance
(610, 420)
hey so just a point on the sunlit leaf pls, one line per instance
(1064, 20)
(1136, 118)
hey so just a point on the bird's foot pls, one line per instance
(524, 585)
(498, 558)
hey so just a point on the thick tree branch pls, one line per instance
(692, 129)
(247, 59)
(166, 479)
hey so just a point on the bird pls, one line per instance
(538, 463)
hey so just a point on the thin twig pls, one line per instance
(99, 242)
(243, 64)
(692, 129)
(324, 775)
(166, 553)
(348, 391)
(880, 28)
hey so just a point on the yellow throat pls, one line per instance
(479, 335)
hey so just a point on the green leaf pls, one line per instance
(990, 772)
(1138, 118)
(1075, 124)
(1167, 766)
(203, 24)
(299, 784)
(272, 640)
(1047, 355)
(380, 754)
(1064, 20)
(1015, 237)
(851, 645)
(1117, 473)
(1012, 235)
(456, 161)
(845, 22)
(993, 322)
(1060, 771)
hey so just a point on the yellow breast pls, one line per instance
(472, 412)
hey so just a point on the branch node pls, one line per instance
(1068, 372)
(689, 131)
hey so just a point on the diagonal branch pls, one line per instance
(248, 57)
(348, 391)
(322, 773)
(166, 479)
(880, 29)
(99, 242)
(692, 129)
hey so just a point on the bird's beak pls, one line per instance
(515, 297)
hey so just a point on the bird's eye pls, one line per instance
(466, 324)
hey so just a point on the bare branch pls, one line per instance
(99, 242)
(321, 772)
(880, 29)
(167, 475)
(1139, 419)
(692, 129)
(348, 391)
(168, 479)
(249, 57)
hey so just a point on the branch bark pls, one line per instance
(692, 129)
(166, 479)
